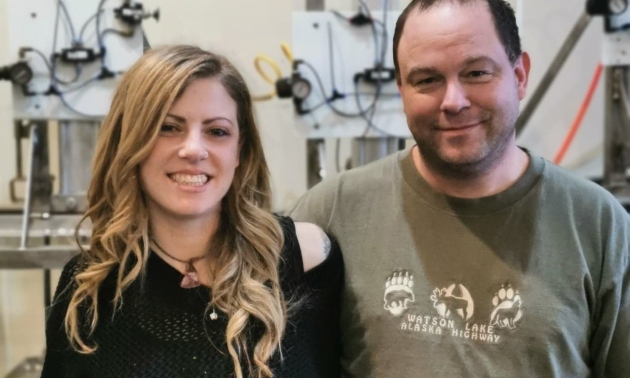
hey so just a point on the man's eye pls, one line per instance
(478, 73)
(427, 81)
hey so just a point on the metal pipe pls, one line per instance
(552, 71)
(367, 150)
(315, 5)
(315, 161)
(29, 186)
(145, 42)
(45, 257)
(315, 165)
(77, 143)
(46, 249)
(18, 148)
(47, 279)
(402, 144)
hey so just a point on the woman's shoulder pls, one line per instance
(315, 245)
(308, 246)
(303, 241)
(78, 264)
(74, 266)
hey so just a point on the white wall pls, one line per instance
(243, 28)
(7, 169)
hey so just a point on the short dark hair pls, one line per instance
(502, 14)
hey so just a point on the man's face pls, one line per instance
(460, 92)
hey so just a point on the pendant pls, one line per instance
(213, 315)
(190, 280)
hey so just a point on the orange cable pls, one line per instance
(568, 139)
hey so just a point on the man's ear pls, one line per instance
(521, 71)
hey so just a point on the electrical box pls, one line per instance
(330, 53)
(34, 24)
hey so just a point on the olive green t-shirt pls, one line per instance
(531, 282)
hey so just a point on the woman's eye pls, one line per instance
(218, 132)
(166, 128)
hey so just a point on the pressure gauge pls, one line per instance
(617, 6)
(19, 73)
(300, 87)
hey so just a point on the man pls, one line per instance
(468, 256)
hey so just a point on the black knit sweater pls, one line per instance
(161, 330)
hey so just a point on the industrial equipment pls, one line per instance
(615, 64)
(343, 84)
(62, 88)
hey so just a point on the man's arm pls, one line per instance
(610, 341)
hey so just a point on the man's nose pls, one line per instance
(455, 99)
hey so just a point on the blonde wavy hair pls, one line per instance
(248, 241)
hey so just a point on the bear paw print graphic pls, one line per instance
(398, 293)
(507, 308)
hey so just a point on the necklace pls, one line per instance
(191, 278)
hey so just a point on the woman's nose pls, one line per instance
(193, 148)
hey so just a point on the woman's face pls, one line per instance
(192, 164)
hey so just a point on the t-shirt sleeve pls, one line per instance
(317, 205)
(610, 341)
(57, 345)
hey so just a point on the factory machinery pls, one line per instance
(61, 89)
(614, 64)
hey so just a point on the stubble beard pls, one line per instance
(489, 154)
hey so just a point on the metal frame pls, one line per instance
(617, 133)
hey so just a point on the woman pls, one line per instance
(188, 273)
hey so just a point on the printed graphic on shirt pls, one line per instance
(507, 308)
(398, 292)
(453, 301)
(453, 310)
